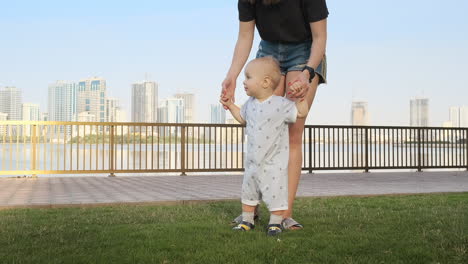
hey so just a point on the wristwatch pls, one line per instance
(311, 72)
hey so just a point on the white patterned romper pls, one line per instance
(267, 154)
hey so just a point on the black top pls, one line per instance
(288, 21)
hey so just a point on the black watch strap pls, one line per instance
(311, 72)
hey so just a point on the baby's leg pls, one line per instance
(247, 223)
(248, 213)
(275, 195)
(276, 217)
(248, 208)
(250, 197)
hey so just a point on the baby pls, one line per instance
(266, 161)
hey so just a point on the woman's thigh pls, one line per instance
(279, 91)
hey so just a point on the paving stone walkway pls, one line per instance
(81, 191)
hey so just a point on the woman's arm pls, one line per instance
(319, 35)
(241, 54)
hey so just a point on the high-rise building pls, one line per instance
(92, 98)
(62, 99)
(86, 116)
(189, 104)
(175, 110)
(171, 110)
(30, 112)
(120, 115)
(3, 116)
(162, 117)
(44, 116)
(10, 102)
(113, 110)
(454, 117)
(419, 112)
(458, 116)
(3, 128)
(217, 114)
(162, 112)
(464, 116)
(359, 114)
(145, 102)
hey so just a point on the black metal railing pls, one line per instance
(384, 147)
(31, 148)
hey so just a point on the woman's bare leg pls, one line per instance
(279, 91)
(295, 144)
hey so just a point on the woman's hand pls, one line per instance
(299, 87)
(228, 90)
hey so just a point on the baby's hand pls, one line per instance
(294, 87)
(227, 103)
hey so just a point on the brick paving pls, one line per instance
(89, 191)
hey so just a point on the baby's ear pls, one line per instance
(267, 82)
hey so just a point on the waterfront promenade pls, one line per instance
(95, 191)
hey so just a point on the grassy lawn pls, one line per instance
(385, 229)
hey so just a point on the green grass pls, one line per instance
(385, 229)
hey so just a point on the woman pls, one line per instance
(295, 33)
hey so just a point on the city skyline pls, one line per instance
(385, 56)
(62, 104)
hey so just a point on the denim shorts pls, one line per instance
(292, 56)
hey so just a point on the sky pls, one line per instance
(383, 52)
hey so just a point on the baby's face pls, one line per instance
(253, 79)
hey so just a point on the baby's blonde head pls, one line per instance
(269, 67)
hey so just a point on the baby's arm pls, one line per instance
(302, 108)
(235, 110)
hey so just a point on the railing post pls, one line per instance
(310, 149)
(466, 148)
(34, 150)
(111, 151)
(367, 149)
(182, 152)
(419, 150)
